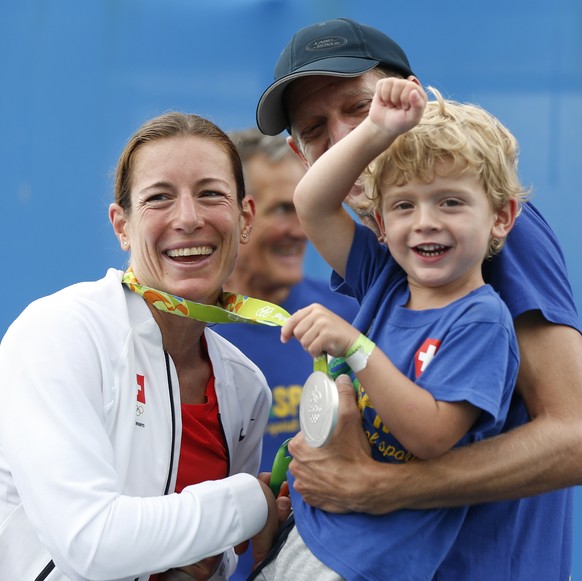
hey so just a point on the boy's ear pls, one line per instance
(505, 219)
(381, 227)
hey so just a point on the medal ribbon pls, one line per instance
(231, 307)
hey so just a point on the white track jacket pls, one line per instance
(90, 428)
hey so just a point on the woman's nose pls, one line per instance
(187, 216)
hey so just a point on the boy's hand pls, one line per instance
(398, 105)
(320, 331)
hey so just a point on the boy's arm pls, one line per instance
(397, 106)
(426, 427)
(543, 455)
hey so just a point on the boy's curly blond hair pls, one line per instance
(452, 138)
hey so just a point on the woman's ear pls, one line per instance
(247, 218)
(118, 220)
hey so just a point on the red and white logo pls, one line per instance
(425, 354)
(141, 398)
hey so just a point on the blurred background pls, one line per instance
(78, 77)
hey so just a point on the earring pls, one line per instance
(244, 235)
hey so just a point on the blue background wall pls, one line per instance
(78, 77)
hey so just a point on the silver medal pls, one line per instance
(318, 409)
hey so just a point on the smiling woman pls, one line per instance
(180, 206)
(127, 404)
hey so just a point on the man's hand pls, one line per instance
(342, 477)
(320, 473)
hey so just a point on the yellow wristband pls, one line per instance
(357, 355)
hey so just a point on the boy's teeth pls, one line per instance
(431, 249)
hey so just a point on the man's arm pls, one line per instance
(543, 455)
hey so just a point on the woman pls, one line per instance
(109, 405)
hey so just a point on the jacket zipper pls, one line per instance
(173, 412)
(46, 571)
(226, 443)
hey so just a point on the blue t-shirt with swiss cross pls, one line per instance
(466, 351)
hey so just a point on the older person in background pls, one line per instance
(270, 267)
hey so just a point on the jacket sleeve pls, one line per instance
(60, 456)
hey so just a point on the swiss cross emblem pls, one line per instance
(425, 354)
(140, 388)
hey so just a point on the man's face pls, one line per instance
(273, 256)
(323, 110)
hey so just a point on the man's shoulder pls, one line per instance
(530, 272)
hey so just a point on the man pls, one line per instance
(270, 267)
(324, 82)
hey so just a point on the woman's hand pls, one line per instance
(283, 509)
(263, 541)
(279, 511)
(283, 500)
(200, 571)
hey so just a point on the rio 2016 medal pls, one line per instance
(318, 409)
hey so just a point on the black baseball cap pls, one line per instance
(341, 48)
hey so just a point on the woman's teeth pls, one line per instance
(195, 251)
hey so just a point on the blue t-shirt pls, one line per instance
(286, 367)
(466, 351)
(529, 538)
